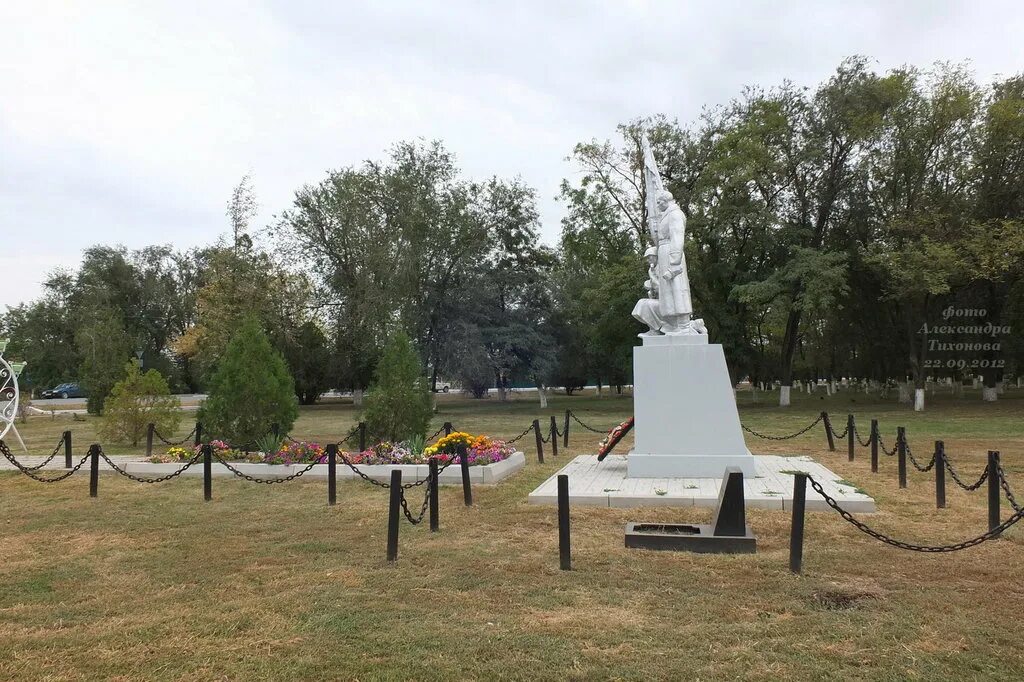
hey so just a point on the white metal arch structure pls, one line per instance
(9, 396)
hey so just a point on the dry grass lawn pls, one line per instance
(148, 582)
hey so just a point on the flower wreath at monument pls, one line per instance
(613, 438)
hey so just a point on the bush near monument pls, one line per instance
(135, 402)
(250, 391)
(399, 405)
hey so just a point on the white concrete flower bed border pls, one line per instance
(488, 473)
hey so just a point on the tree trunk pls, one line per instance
(357, 397)
(543, 395)
(919, 400)
(904, 396)
(788, 350)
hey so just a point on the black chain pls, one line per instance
(792, 435)
(863, 443)
(9, 456)
(1005, 485)
(379, 484)
(438, 433)
(140, 479)
(888, 453)
(864, 528)
(520, 436)
(588, 428)
(959, 481)
(917, 465)
(174, 442)
(836, 433)
(265, 481)
(423, 510)
(49, 459)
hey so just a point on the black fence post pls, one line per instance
(393, 512)
(67, 450)
(940, 475)
(199, 434)
(554, 436)
(828, 431)
(434, 492)
(448, 428)
(540, 441)
(94, 469)
(332, 474)
(901, 450)
(993, 490)
(565, 430)
(207, 472)
(851, 435)
(564, 550)
(467, 490)
(796, 531)
(150, 428)
(874, 446)
(362, 436)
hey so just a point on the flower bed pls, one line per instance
(490, 460)
(480, 451)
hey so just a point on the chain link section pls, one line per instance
(792, 435)
(587, 427)
(959, 481)
(917, 465)
(386, 486)
(141, 479)
(934, 549)
(835, 433)
(265, 481)
(9, 456)
(423, 510)
(881, 446)
(521, 435)
(438, 433)
(173, 443)
(49, 459)
(863, 443)
(1005, 485)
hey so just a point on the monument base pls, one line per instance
(687, 425)
(688, 466)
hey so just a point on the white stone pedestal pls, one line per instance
(687, 425)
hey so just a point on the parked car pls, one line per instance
(68, 390)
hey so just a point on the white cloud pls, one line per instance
(131, 122)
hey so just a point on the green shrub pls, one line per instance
(250, 391)
(136, 401)
(399, 405)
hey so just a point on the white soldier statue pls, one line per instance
(647, 310)
(667, 268)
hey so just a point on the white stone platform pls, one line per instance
(604, 484)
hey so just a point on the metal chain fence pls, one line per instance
(792, 435)
(917, 465)
(173, 443)
(934, 549)
(265, 481)
(56, 449)
(587, 426)
(9, 456)
(141, 479)
(1005, 485)
(959, 481)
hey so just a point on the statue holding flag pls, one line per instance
(666, 225)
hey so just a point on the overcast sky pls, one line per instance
(131, 122)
